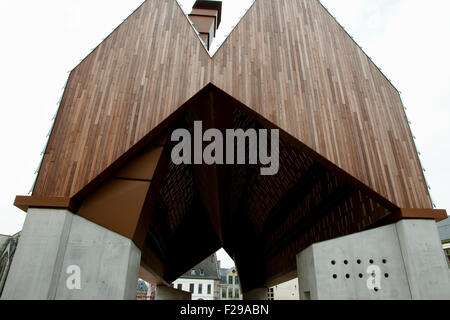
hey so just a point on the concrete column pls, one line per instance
(399, 261)
(168, 293)
(63, 256)
(425, 262)
(256, 294)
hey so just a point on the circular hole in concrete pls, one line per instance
(333, 262)
(371, 261)
(384, 261)
(345, 262)
(358, 261)
(386, 275)
(376, 289)
(361, 275)
(347, 276)
(334, 276)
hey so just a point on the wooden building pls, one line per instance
(348, 161)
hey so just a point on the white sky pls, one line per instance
(42, 40)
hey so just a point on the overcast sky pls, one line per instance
(42, 40)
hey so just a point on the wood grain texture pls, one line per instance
(288, 60)
(120, 92)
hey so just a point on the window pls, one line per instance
(180, 286)
(230, 293)
(191, 288)
(230, 279)
(236, 280)
(200, 288)
(202, 272)
(209, 289)
(193, 273)
(236, 293)
(224, 293)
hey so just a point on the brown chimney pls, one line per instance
(206, 16)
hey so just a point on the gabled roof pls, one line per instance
(207, 269)
(314, 83)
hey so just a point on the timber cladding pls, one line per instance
(288, 60)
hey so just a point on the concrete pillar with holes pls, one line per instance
(64, 256)
(404, 260)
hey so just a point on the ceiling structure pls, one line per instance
(347, 157)
(261, 221)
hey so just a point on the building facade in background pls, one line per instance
(202, 281)
(8, 245)
(144, 291)
(229, 288)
